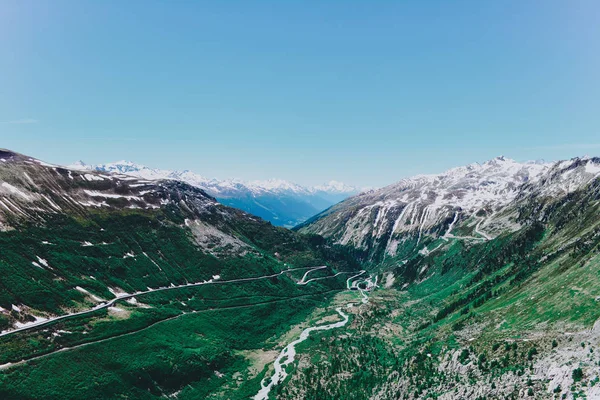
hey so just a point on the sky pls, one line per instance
(361, 92)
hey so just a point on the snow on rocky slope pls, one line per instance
(32, 190)
(473, 200)
(278, 201)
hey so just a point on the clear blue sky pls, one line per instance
(362, 92)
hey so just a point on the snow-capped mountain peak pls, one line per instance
(79, 165)
(477, 197)
(277, 185)
(423, 202)
(335, 187)
(277, 200)
(273, 184)
(124, 167)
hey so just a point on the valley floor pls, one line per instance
(215, 346)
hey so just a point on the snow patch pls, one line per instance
(90, 177)
(42, 261)
(16, 191)
(24, 324)
(95, 193)
(93, 296)
(118, 292)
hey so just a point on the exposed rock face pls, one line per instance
(476, 202)
(31, 190)
(278, 201)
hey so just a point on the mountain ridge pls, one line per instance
(433, 204)
(144, 171)
(42, 198)
(482, 283)
(276, 200)
(489, 285)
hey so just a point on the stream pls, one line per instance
(288, 353)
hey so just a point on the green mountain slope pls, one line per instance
(155, 290)
(510, 317)
(142, 289)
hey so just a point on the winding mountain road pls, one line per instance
(141, 293)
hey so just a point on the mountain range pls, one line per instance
(281, 202)
(481, 282)
(491, 282)
(476, 200)
(92, 260)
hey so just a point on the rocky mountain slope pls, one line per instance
(94, 260)
(281, 202)
(69, 211)
(475, 201)
(482, 283)
(489, 289)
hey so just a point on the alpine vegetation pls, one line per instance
(480, 282)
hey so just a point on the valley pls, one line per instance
(299, 200)
(94, 261)
(480, 282)
(278, 201)
(288, 353)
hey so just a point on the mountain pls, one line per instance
(481, 282)
(383, 222)
(152, 282)
(488, 286)
(281, 202)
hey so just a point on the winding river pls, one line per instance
(288, 353)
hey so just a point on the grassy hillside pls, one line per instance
(509, 318)
(71, 242)
(505, 316)
(195, 331)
